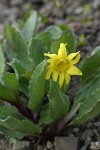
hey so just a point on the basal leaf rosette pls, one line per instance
(62, 65)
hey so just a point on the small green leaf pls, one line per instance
(47, 86)
(55, 31)
(22, 126)
(85, 89)
(10, 81)
(90, 64)
(36, 51)
(37, 87)
(18, 45)
(2, 63)
(11, 134)
(30, 26)
(82, 40)
(66, 38)
(45, 115)
(6, 94)
(10, 54)
(10, 111)
(9, 88)
(88, 87)
(23, 76)
(58, 102)
(46, 38)
(87, 9)
(89, 108)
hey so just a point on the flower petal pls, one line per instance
(62, 52)
(67, 78)
(49, 60)
(55, 75)
(76, 59)
(50, 55)
(48, 74)
(61, 79)
(73, 70)
(71, 56)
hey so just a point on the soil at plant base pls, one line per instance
(83, 17)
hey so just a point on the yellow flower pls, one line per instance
(62, 65)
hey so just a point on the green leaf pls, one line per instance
(9, 88)
(2, 63)
(10, 111)
(22, 126)
(6, 94)
(89, 109)
(54, 30)
(30, 26)
(84, 91)
(36, 51)
(11, 134)
(37, 87)
(45, 115)
(46, 38)
(90, 64)
(23, 76)
(88, 87)
(58, 102)
(47, 86)
(82, 40)
(18, 68)
(19, 46)
(10, 81)
(66, 38)
(10, 54)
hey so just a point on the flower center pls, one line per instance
(61, 65)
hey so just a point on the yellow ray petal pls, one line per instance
(76, 59)
(49, 67)
(62, 52)
(50, 55)
(55, 75)
(71, 56)
(61, 79)
(67, 78)
(48, 74)
(49, 60)
(73, 70)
